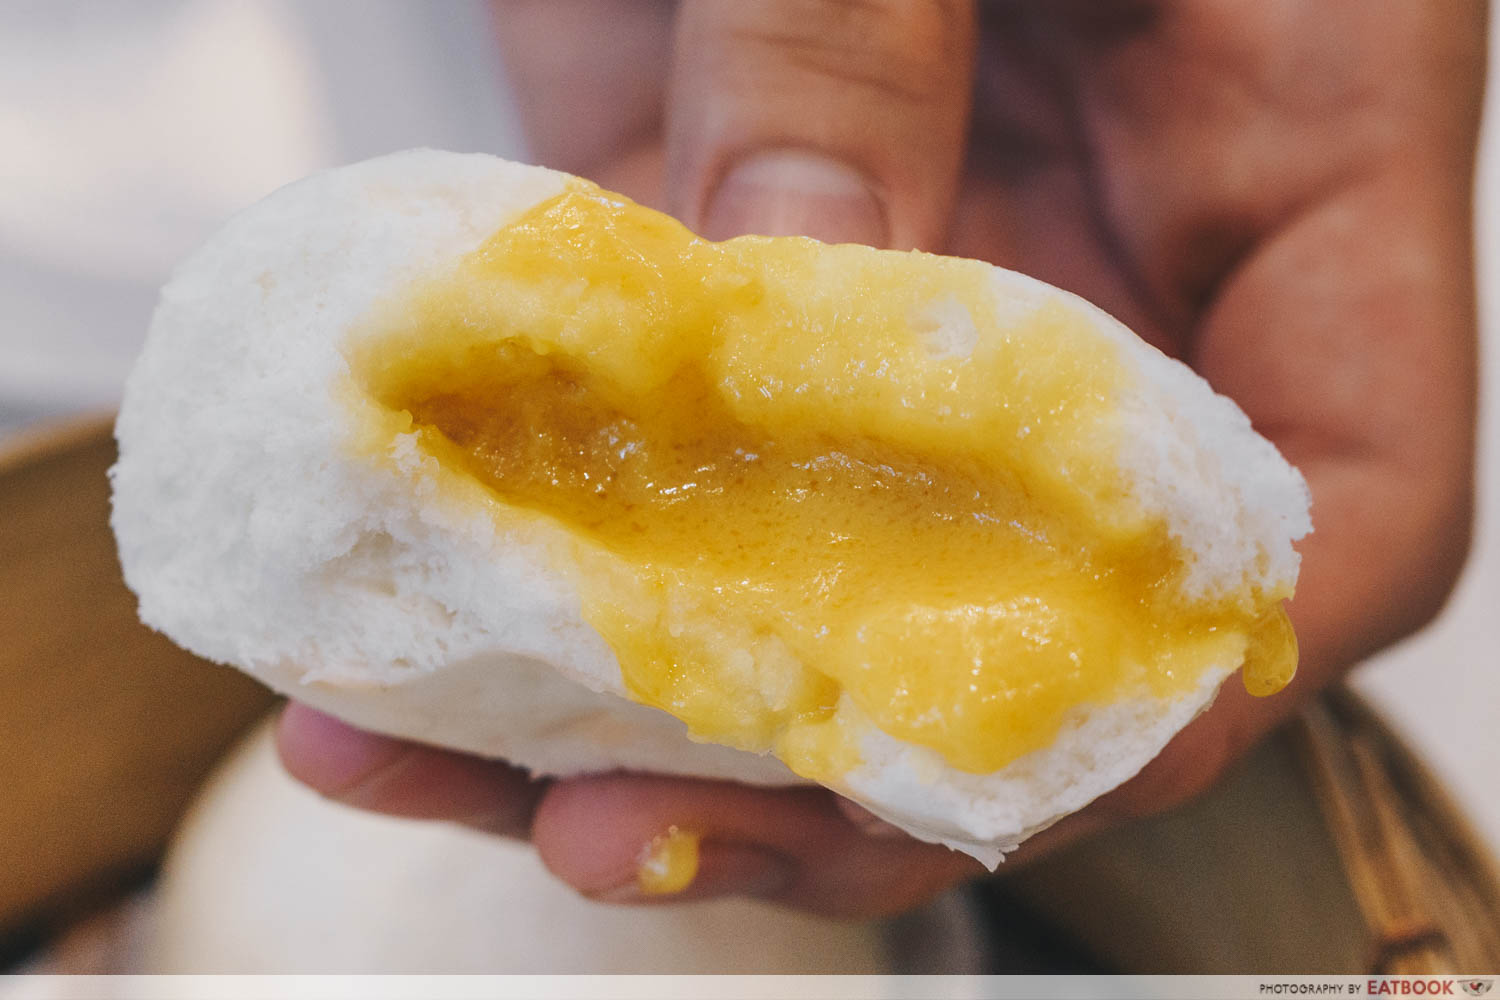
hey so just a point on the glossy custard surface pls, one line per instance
(785, 473)
(669, 863)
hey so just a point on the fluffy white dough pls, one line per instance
(266, 877)
(255, 535)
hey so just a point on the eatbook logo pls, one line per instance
(1477, 987)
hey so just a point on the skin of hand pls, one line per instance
(1277, 193)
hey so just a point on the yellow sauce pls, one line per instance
(1271, 655)
(669, 863)
(776, 488)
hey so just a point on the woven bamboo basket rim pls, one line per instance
(1426, 882)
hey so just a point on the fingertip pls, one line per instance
(400, 778)
(590, 831)
(597, 833)
(328, 755)
(790, 845)
(791, 192)
(818, 119)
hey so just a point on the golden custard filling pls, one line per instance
(786, 476)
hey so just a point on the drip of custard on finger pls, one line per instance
(669, 863)
(786, 476)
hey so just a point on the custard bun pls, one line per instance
(261, 528)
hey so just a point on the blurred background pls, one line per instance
(132, 130)
(129, 131)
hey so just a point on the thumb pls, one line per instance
(830, 119)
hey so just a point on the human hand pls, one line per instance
(1278, 194)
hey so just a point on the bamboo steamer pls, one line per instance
(106, 729)
(1329, 849)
